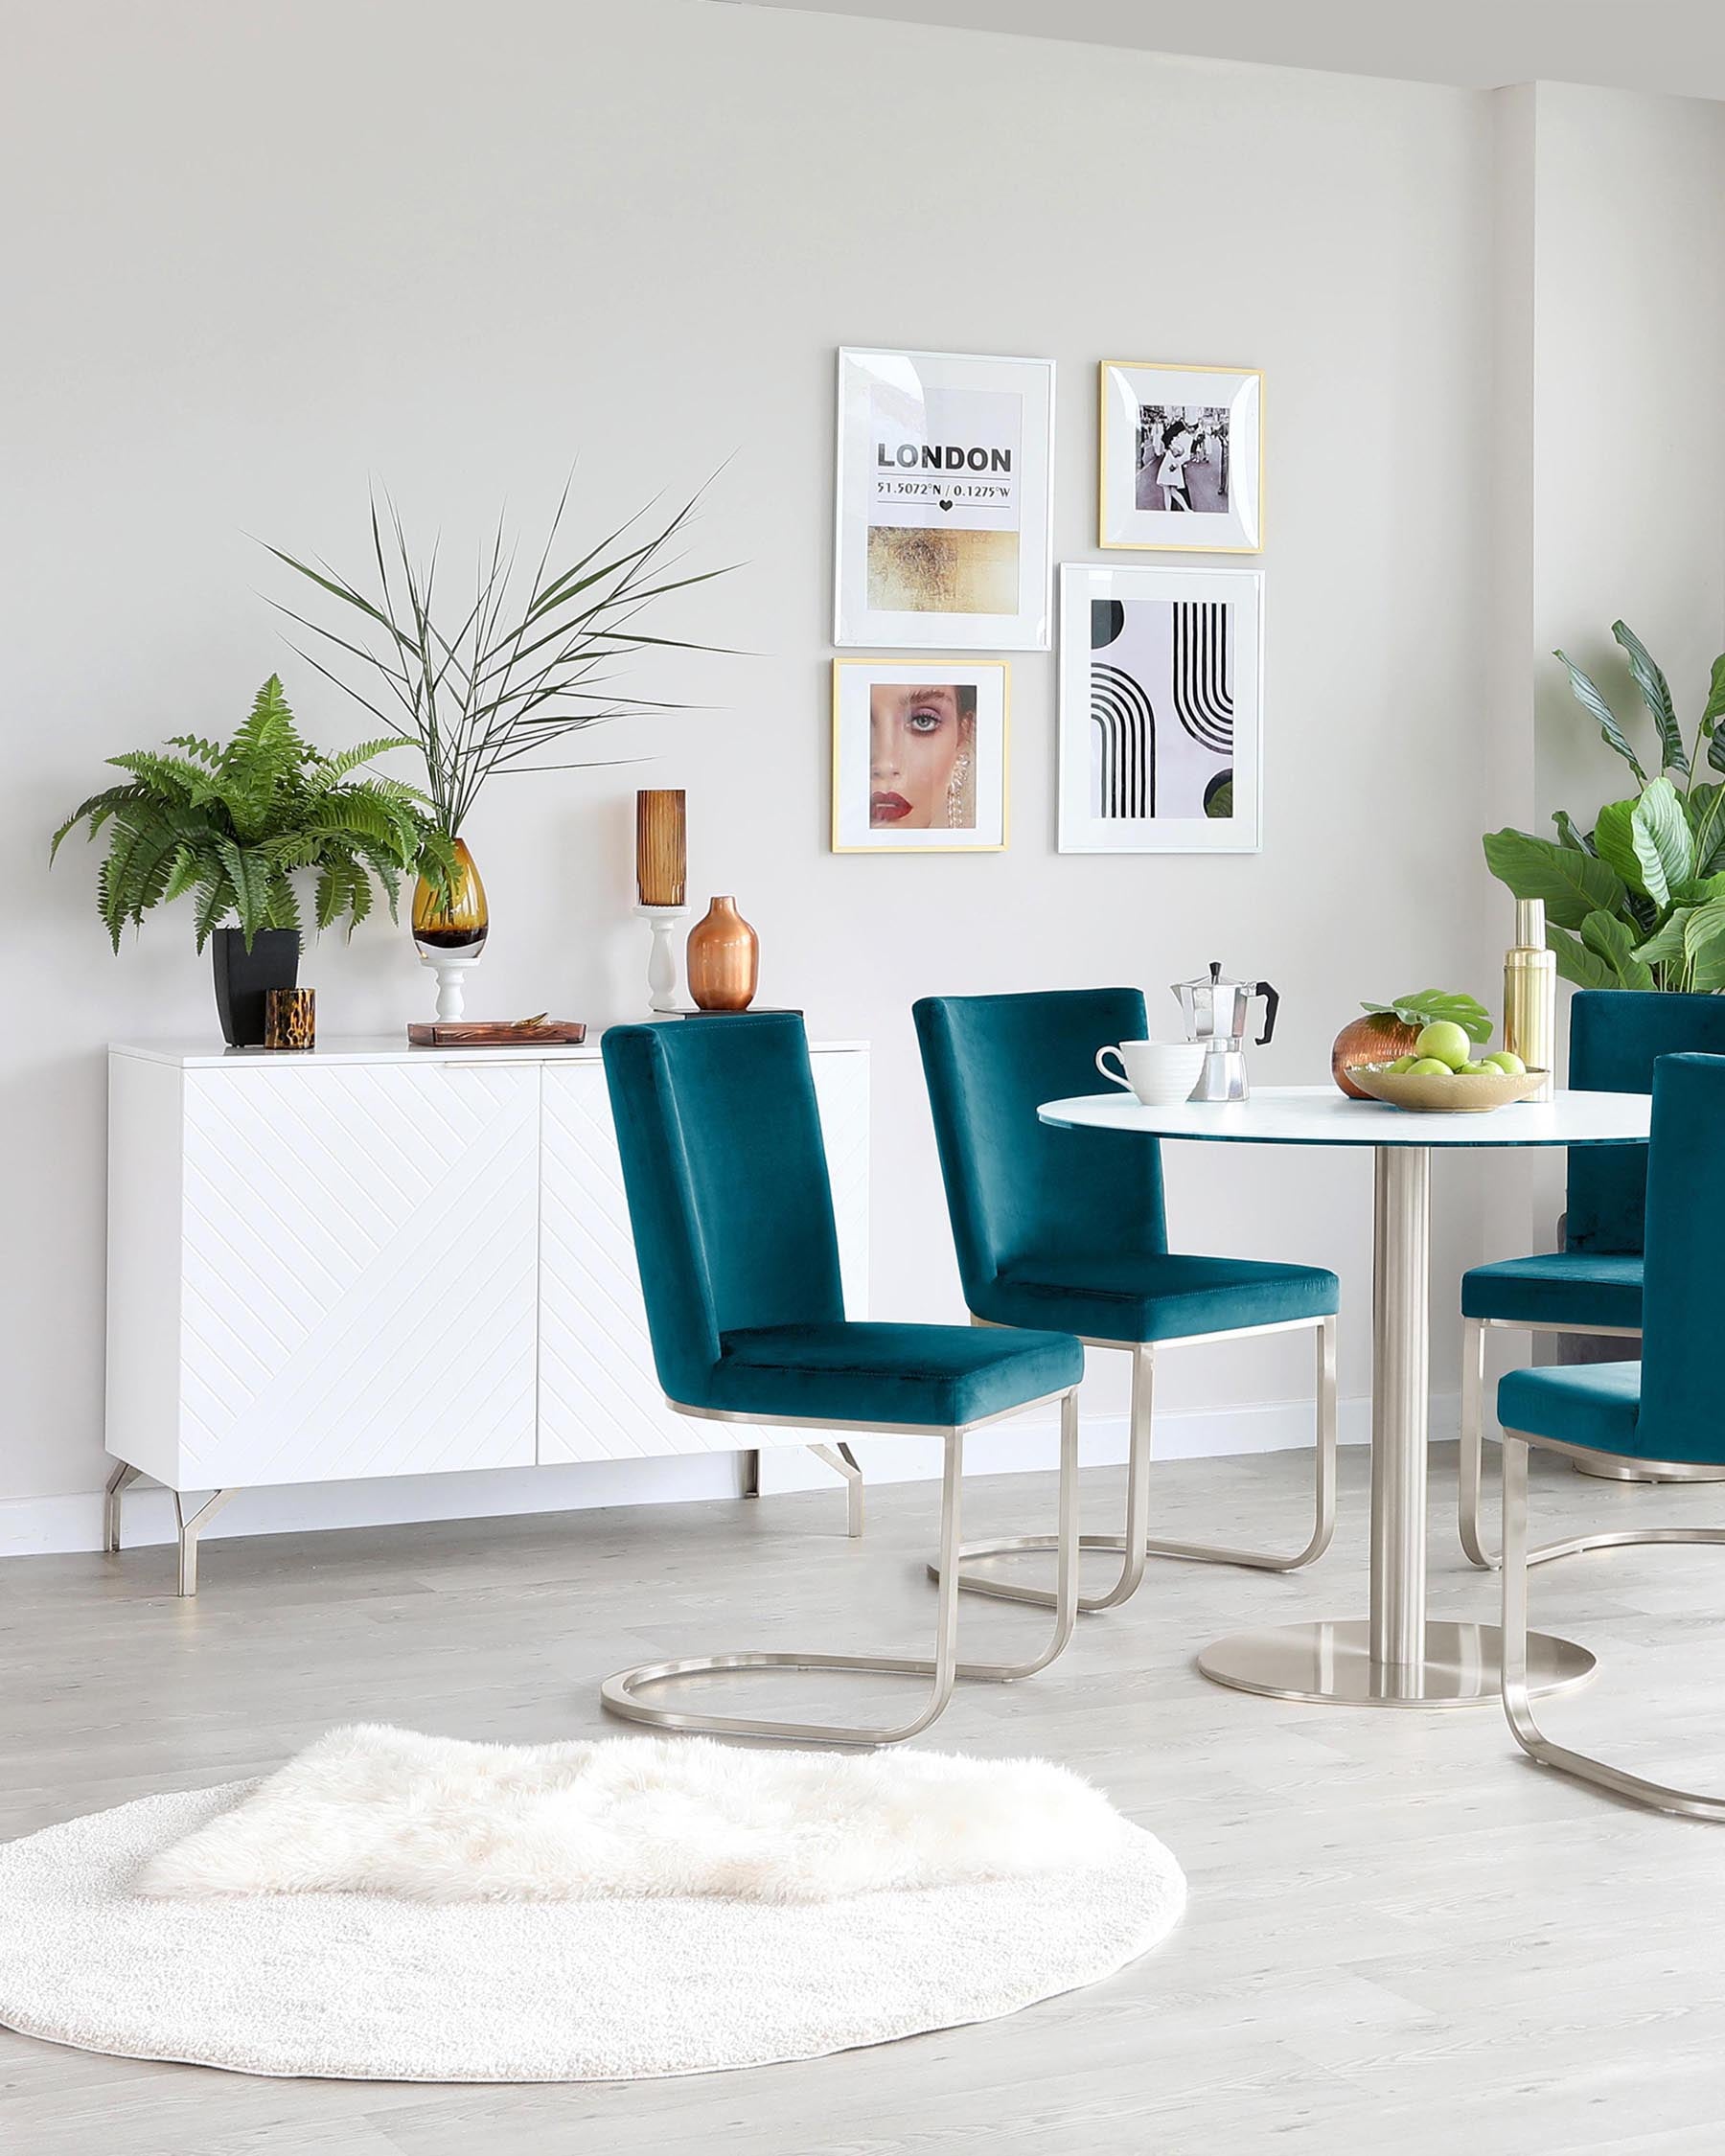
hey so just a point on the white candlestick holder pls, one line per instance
(664, 975)
(451, 968)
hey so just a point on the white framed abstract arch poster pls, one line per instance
(1161, 674)
(943, 535)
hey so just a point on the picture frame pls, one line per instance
(1161, 717)
(921, 755)
(943, 537)
(1179, 457)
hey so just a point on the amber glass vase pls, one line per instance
(456, 920)
(724, 959)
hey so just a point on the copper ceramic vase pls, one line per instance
(1377, 1037)
(724, 959)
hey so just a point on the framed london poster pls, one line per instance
(919, 755)
(1161, 710)
(943, 539)
(1182, 458)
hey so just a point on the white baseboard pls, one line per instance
(44, 1526)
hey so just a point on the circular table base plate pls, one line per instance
(1330, 1663)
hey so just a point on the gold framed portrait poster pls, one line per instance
(1181, 462)
(920, 755)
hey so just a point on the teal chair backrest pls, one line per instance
(1615, 1037)
(1015, 1187)
(726, 1172)
(1682, 1413)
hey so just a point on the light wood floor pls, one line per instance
(1401, 1935)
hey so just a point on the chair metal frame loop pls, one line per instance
(621, 1693)
(1135, 1545)
(1518, 1561)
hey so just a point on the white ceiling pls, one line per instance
(1674, 45)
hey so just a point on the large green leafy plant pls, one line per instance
(232, 826)
(1638, 901)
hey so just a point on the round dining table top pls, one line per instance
(1325, 1115)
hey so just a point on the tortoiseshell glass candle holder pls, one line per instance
(290, 1018)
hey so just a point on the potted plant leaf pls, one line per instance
(1638, 901)
(231, 828)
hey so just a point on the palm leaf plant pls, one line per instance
(1638, 901)
(232, 826)
(499, 681)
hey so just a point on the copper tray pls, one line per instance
(480, 1033)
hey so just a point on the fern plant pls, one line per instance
(231, 826)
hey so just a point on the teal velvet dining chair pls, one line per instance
(1068, 1229)
(726, 1174)
(1593, 1284)
(1664, 1411)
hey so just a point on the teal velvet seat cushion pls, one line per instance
(1151, 1295)
(934, 1376)
(1575, 1288)
(1597, 1405)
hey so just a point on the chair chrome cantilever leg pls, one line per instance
(1133, 1546)
(1518, 1703)
(621, 1694)
(1470, 1473)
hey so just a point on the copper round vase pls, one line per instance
(1377, 1037)
(724, 959)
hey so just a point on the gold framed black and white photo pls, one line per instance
(1161, 709)
(944, 539)
(1181, 457)
(920, 755)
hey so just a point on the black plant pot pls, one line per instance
(242, 978)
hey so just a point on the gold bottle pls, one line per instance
(1531, 995)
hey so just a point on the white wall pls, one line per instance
(1630, 342)
(1609, 449)
(269, 251)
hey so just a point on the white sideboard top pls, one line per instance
(384, 1047)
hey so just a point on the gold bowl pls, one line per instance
(1451, 1094)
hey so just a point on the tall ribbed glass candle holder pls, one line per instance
(661, 848)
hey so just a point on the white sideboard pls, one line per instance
(371, 1260)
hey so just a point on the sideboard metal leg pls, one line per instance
(751, 1473)
(190, 1529)
(844, 1462)
(119, 1481)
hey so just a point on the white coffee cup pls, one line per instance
(1159, 1073)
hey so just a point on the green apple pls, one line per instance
(1431, 1067)
(1508, 1062)
(1444, 1041)
(1477, 1070)
(1401, 1065)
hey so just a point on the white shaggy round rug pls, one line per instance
(371, 1986)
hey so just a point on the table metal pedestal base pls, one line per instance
(1330, 1661)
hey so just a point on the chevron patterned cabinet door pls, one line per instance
(359, 1248)
(598, 1393)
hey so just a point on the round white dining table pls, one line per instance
(1394, 1657)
